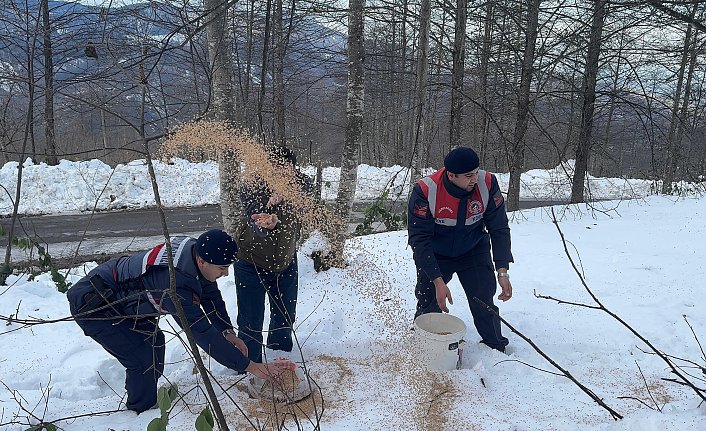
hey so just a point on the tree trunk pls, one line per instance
(49, 129)
(457, 73)
(482, 140)
(421, 91)
(222, 108)
(104, 134)
(517, 154)
(355, 108)
(670, 165)
(248, 61)
(683, 125)
(263, 70)
(612, 104)
(278, 52)
(583, 146)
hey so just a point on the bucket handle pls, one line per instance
(459, 363)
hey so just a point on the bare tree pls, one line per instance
(279, 49)
(222, 106)
(584, 144)
(355, 109)
(517, 150)
(679, 107)
(49, 131)
(481, 129)
(458, 72)
(264, 68)
(419, 145)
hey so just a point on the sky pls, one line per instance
(640, 254)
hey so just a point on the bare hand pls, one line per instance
(264, 220)
(506, 287)
(274, 200)
(237, 342)
(270, 371)
(442, 294)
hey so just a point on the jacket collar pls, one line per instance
(453, 189)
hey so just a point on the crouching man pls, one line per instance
(118, 304)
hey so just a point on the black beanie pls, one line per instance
(461, 160)
(216, 247)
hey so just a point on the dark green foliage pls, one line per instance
(44, 426)
(379, 213)
(45, 263)
(204, 422)
(165, 398)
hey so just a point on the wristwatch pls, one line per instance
(504, 274)
(227, 332)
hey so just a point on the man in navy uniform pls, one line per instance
(455, 216)
(118, 304)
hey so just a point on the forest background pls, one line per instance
(617, 85)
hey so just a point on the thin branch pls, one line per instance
(598, 400)
(529, 365)
(561, 301)
(703, 355)
(659, 5)
(664, 357)
(679, 382)
(638, 400)
(647, 386)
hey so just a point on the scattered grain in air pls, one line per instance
(420, 395)
(250, 166)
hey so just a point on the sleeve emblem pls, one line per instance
(420, 210)
(498, 199)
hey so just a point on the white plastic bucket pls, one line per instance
(440, 341)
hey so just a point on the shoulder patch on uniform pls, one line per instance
(420, 210)
(498, 199)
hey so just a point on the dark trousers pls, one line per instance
(138, 344)
(477, 276)
(251, 285)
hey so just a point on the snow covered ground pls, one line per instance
(642, 258)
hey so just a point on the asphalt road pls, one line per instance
(81, 237)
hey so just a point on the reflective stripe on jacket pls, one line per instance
(447, 222)
(143, 279)
(442, 204)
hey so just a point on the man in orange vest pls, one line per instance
(455, 217)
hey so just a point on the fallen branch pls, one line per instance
(32, 419)
(638, 400)
(561, 301)
(691, 328)
(530, 366)
(647, 387)
(674, 369)
(680, 383)
(564, 372)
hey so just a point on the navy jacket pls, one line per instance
(143, 286)
(431, 239)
